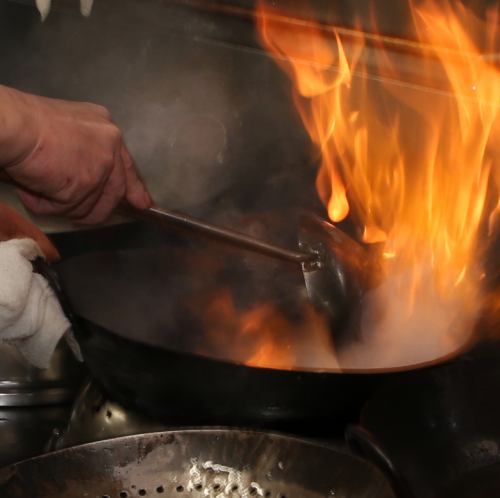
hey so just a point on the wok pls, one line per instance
(437, 433)
(337, 270)
(148, 350)
(195, 463)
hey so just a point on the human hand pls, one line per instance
(15, 226)
(68, 158)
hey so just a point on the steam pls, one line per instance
(400, 329)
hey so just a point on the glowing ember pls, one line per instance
(409, 152)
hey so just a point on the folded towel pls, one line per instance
(31, 317)
(44, 7)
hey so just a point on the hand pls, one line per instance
(14, 226)
(68, 158)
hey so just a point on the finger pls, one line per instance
(88, 110)
(113, 192)
(84, 208)
(38, 204)
(15, 226)
(75, 205)
(137, 193)
(102, 111)
(48, 249)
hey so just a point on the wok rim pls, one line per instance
(358, 372)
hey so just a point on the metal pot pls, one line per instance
(24, 385)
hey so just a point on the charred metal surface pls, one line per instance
(195, 463)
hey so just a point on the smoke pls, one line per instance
(403, 324)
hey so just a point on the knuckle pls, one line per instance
(115, 133)
(103, 111)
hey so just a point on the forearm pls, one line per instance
(16, 126)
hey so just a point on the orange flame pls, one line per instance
(262, 336)
(407, 134)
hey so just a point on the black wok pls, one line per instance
(436, 434)
(147, 349)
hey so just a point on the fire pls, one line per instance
(408, 135)
(263, 336)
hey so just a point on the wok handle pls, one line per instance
(364, 444)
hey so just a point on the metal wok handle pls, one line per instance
(364, 444)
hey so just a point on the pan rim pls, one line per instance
(464, 348)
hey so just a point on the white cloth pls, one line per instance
(44, 7)
(31, 317)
